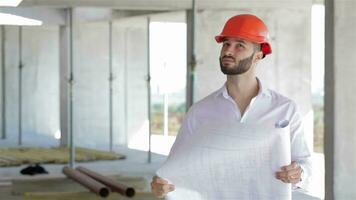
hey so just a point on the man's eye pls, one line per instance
(240, 45)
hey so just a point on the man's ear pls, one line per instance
(258, 56)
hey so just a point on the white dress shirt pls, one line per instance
(268, 108)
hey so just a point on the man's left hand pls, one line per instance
(290, 174)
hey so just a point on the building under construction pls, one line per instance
(93, 93)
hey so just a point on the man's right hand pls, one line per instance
(160, 187)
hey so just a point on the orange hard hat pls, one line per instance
(248, 27)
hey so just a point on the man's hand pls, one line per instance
(160, 187)
(290, 174)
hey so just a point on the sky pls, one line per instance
(168, 56)
(317, 58)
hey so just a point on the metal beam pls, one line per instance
(149, 89)
(191, 54)
(64, 86)
(3, 84)
(71, 83)
(111, 79)
(20, 87)
(125, 77)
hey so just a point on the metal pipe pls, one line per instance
(112, 184)
(194, 58)
(20, 87)
(191, 55)
(330, 111)
(71, 82)
(194, 7)
(3, 84)
(111, 79)
(126, 73)
(86, 181)
(149, 89)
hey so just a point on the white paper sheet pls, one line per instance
(229, 161)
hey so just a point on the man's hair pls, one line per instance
(257, 48)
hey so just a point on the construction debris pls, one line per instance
(57, 155)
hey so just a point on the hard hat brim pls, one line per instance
(265, 48)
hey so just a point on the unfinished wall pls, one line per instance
(91, 88)
(130, 63)
(40, 84)
(91, 85)
(11, 71)
(40, 81)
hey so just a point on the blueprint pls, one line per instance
(229, 161)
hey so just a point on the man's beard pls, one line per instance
(240, 68)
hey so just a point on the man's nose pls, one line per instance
(228, 51)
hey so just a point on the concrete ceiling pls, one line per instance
(167, 4)
(123, 4)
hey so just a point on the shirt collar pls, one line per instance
(262, 90)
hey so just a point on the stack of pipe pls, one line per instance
(97, 183)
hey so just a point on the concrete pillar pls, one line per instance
(340, 117)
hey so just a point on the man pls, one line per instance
(243, 98)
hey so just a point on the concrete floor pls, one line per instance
(134, 165)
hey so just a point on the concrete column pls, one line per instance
(340, 112)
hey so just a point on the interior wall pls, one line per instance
(40, 84)
(11, 70)
(40, 80)
(91, 83)
(130, 64)
(90, 90)
(40, 107)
